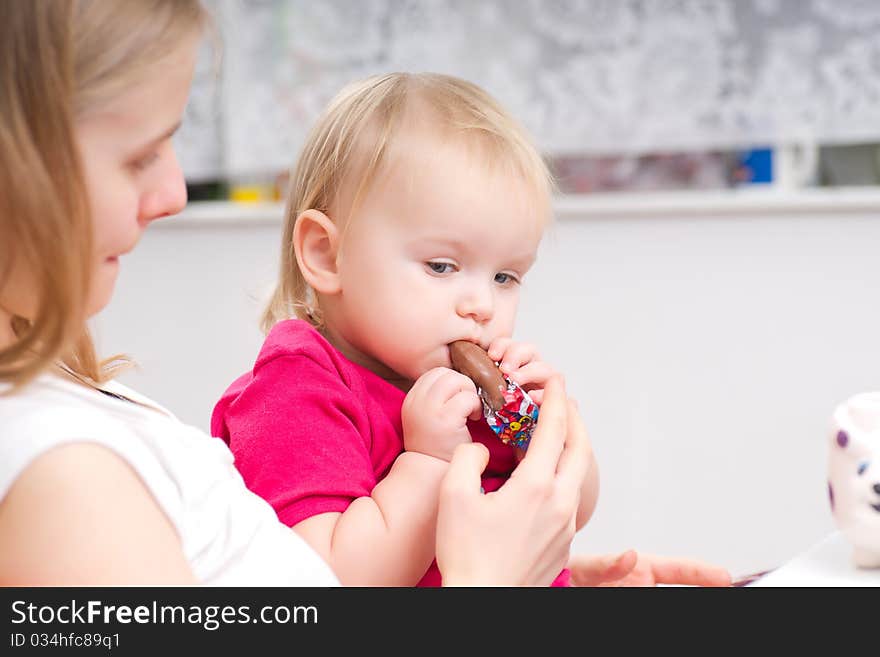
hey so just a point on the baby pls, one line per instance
(414, 214)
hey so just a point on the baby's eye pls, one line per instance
(440, 267)
(503, 279)
(862, 467)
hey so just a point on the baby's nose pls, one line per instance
(477, 304)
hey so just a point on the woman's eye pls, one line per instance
(503, 279)
(143, 162)
(440, 267)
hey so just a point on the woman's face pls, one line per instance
(131, 170)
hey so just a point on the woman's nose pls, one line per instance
(166, 195)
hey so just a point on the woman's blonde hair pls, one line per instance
(60, 60)
(350, 142)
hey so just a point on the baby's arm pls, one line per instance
(388, 537)
(521, 362)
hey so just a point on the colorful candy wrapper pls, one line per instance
(514, 422)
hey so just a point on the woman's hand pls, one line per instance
(634, 569)
(519, 535)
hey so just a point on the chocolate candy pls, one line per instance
(470, 359)
(508, 409)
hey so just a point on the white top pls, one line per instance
(229, 535)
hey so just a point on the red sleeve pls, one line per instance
(301, 438)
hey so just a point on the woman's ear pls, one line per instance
(316, 243)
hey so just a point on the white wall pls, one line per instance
(707, 351)
(186, 310)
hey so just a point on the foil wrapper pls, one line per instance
(514, 422)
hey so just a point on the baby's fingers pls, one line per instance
(427, 380)
(498, 347)
(449, 384)
(516, 355)
(536, 373)
(464, 404)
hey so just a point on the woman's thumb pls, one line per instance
(467, 464)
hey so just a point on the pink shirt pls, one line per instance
(312, 431)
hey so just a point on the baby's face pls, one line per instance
(436, 252)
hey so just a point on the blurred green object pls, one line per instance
(213, 190)
(849, 165)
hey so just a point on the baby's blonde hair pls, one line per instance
(349, 145)
(60, 60)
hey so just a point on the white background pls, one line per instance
(707, 349)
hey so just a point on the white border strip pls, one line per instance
(742, 202)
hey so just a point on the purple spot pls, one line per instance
(842, 438)
(831, 495)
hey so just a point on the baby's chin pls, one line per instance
(426, 365)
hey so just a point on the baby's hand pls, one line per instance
(436, 410)
(520, 362)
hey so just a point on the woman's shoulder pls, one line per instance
(92, 493)
(50, 403)
(47, 413)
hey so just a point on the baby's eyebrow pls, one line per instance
(446, 241)
(520, 262)
(525, 263)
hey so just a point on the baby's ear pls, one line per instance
(316, 243)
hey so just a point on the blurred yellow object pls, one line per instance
(252, 193)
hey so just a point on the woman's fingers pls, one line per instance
(687, 572)
(462, 479)
(589, 570)
(634, 569)
(575, 458)
(549, 438)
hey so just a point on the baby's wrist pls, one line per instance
(425, 460)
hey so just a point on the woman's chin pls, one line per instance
(103, 286)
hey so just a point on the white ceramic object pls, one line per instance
(854, 475)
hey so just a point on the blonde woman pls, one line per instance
(99, 485)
